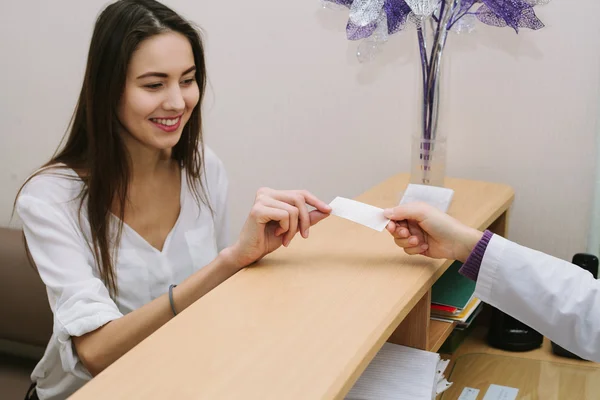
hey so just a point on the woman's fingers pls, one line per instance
(316, 217)
(315, 202)
(263, 214)
(299, 199)
(293, 218)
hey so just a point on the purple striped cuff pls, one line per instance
(470, 268)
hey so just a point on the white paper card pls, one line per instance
(360, 213)
(469, 394)
(497, 392)
(438, 197)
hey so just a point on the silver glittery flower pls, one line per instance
(466, 24)
(371, 46)
(370, 19)
(423, 8)
(364, 12)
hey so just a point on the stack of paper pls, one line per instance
(401, 373)
(452, 298)
(435, 196)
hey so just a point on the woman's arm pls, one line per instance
(101, 347)
(87, 319)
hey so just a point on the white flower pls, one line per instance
(364, 12)
(423, 8)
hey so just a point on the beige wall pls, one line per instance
(290, 107)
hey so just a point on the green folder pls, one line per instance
(453, 289)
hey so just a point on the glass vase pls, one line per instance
(429, 143)
(428, 161)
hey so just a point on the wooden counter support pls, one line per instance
(413, 331)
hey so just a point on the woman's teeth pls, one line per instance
(166, 122)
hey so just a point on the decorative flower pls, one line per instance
(423, 8)
(366, 15)
(375, 20)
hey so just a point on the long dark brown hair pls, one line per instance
(94, 147)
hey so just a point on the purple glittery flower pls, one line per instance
(397, 12)
(514, 13)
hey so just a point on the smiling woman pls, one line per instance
(160, 90)
(127, 224)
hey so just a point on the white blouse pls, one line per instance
(59, 242)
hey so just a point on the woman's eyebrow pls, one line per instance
(163, 75)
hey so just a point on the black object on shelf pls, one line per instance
(589, 262)
(507, 333)
(559, 351)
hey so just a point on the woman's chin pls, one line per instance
(167, 141)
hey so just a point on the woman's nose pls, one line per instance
(174, 100)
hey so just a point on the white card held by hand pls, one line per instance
(358, 212)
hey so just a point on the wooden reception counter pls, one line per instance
(306, 321)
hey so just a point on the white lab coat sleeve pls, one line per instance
(556, 298)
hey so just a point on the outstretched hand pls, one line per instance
(274, 220)
(423, 229)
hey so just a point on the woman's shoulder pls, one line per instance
(54, 184)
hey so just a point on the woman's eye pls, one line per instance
(154, 86)
(188, 82)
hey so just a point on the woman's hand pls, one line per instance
(275, 219)
(422, 229)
